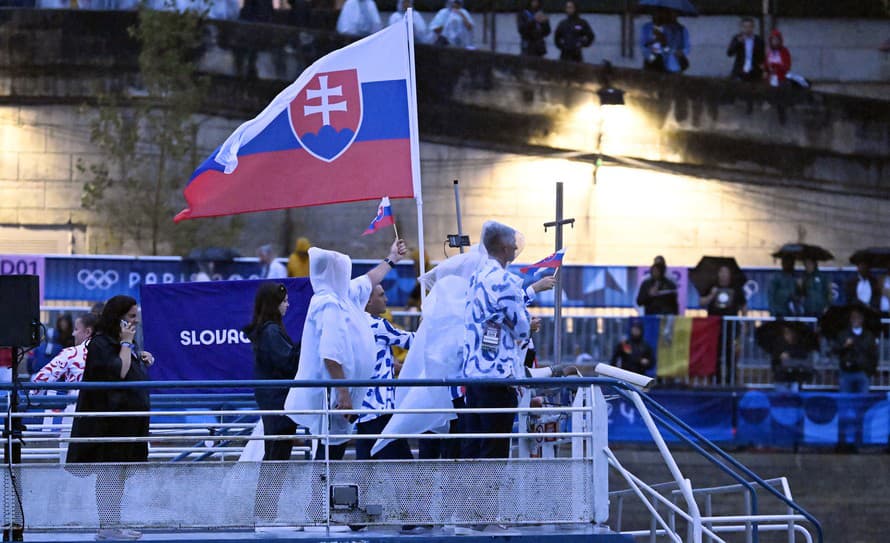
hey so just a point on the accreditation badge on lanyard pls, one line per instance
(491, 337)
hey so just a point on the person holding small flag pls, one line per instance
(337, 341)
(498, 325)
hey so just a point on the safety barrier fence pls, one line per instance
(741, 362)
(567, 485)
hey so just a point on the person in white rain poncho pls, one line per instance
(453, 25)
(359, 18)
(337, 341)
(421, 33)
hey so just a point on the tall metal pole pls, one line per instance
(460, 229)
(557, 289)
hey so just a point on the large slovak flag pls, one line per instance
(345, 130)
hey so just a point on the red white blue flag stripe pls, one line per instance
(552, 261)
(344, 131)
(383, 219)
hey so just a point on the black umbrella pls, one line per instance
(802, 251)
(837, 319)
(704, 275)
(212, 254)
(769, 334)
(682, 7)
(875, 257)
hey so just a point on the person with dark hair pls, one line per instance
(857, 349)
(573, 34)
(778, 59)
(665, 43)
(275, 357)
(113, 357)
(533, 26)
(749, 52)
(633, 353)
(658, 294)
(57, 338)
(782, 291)
(69, 364)
(386, 336)
(815, 290)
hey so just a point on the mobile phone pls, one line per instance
(124, 324)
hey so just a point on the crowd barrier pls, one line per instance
(569, 487)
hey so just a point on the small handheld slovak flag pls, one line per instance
(553, 261)
(383, 219)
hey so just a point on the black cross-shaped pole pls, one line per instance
(557, 290)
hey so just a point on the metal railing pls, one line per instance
(550, 490)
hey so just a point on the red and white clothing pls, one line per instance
(778, 59)
(66, 367)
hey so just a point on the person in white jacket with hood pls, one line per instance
(337, 343)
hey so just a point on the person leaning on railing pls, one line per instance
(113, 357)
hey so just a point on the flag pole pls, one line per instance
(396, 229)
(415, 146)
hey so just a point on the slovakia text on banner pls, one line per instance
(340, 133)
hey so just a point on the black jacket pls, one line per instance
(103, 363)
(629, 355)
(661, 304)
(758, 56)
(276, 357)
(532, 33)
(853, 284)
(573, 34)
(862, 355)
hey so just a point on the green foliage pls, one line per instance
(148, 141)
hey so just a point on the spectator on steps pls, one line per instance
(778, 60)
(453, 26)
(749, 53)
(573, 34)
(533, 26)
(665, 43)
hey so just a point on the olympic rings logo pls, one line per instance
(97, 279)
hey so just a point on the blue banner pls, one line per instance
(194, 329)
(99, 278)
(710, 413)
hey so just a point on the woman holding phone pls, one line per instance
(113, 357)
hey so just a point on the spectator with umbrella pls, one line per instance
(719, 282)
(789, 344)
(782, 291)
(665, 42)
(814, 288)
(864, 287)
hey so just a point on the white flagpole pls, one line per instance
(415, 145)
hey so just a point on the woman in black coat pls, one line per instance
(276, 357)
(113, 357)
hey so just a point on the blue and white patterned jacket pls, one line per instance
(386, 336)
(496, 297)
